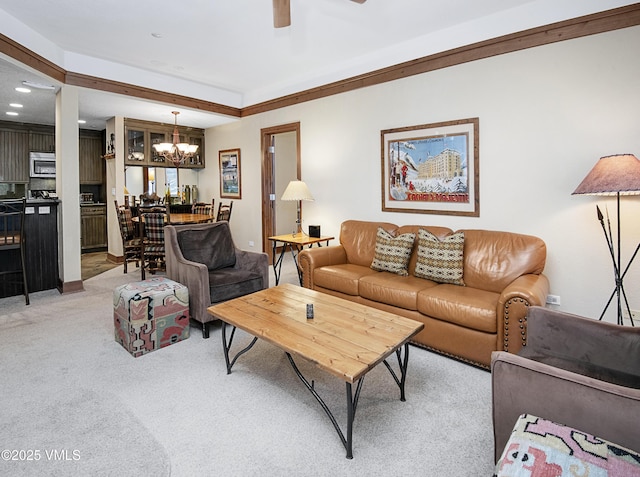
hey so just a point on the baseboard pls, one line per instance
(115, 258)
(70, 287)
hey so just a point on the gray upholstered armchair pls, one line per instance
(204, 258)
(575, 371)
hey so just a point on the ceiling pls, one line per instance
(228, 52)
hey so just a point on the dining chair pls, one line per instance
(224, 211)
(153, 257)
(131, 241)
(12, 239)
(204, 208)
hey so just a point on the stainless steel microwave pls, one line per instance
(42, 164)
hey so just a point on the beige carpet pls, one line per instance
(68, 385)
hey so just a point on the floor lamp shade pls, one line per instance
(614, 175)
(619, 174)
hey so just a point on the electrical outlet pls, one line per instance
(553, 300)
(635, 315)
(251, 243)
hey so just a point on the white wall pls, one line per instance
(546, 116)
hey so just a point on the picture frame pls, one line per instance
(230, 177)
(432, 168)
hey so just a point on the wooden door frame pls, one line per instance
(268, 182)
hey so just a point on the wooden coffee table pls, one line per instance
(343, 338)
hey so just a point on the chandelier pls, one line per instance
(176, 152)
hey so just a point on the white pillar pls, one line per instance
(115, 186)
(68, 189)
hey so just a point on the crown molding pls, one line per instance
(601, 22)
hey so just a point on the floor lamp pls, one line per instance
(298, 191)
(614, 176)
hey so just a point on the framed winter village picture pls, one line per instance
(432, 168)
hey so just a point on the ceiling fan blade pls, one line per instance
(281, 13)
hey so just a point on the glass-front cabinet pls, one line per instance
(157, 138)
(142, 135)
(135, 147)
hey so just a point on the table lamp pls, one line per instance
(614, 175)
(298, 191)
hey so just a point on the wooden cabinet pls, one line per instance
(17, 140)
(142, 135)
(93, 220)
(14, 156)
(92, 165)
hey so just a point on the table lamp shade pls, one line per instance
(619, 174)
(297, 190)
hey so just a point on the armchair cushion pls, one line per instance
(228, 283)
(212, 246)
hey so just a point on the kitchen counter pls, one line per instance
(55, 201)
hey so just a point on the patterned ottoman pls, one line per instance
(541, 448)
(150, 314)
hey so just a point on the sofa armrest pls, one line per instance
(254, 261)
(193, 275)
(311, 258)
(513, 306)
(521, 385)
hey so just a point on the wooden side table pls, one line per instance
(295, 242)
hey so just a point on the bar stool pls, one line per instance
(12, 238)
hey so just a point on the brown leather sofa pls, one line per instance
(576, 371)
(502, 275)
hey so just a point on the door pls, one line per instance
(280, 164)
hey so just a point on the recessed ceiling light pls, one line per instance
(156, 35)
(31, 84)
(15, 105)
(20, 89)
(81, 121)
(11, 113)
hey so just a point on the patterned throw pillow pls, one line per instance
(440, 261)
(392, 253)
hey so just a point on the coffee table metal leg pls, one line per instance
(352, 404)
(403, 362)
(226, 346)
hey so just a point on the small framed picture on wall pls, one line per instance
(230, 183)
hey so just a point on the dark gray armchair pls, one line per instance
(575, 371)
(204, 258)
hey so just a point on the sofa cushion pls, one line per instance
(440, 232)
(212, 246)
(440, 260)
(494, 259)
(359, 239)
(343, 278)
(227, 283)
(392, 289)
(392, 253)
(464, 306)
